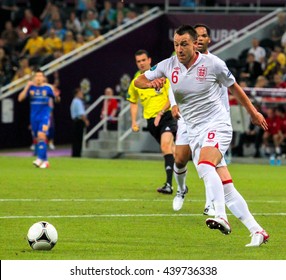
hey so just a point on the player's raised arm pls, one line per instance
(142, 82)
(23, 94)
(256, 117)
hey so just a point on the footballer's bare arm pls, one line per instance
(256, 117)
(143, 82)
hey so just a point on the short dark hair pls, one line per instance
(140, 52)
(183, 29)
(204, 26)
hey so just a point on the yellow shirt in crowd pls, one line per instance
(35, 45)
(53, 44)
(68, 46)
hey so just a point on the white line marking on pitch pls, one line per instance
(112, 200)
(123, 215)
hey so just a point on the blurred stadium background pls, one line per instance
(108, 61)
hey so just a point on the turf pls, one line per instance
(110, 210)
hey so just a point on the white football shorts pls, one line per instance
(182, 136)
(218, 136)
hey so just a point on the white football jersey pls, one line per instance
(197, 90)
(224, 92)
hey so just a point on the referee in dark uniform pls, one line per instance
(79, 122)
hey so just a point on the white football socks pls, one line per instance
(214, 187)
(180, 175)
(238, 207)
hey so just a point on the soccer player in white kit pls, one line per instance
(182, 151)
(195, 80)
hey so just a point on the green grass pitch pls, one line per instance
(110, 210)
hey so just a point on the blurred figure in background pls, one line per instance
(254, 135)
(259, 52)
(39, 93)
(272, 138)
(80, 121)
(251, 70)
(29, 23)
(261, 82)
(110, 109)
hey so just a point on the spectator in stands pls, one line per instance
(18, 75)
(107, 17)
(8, 11)
(24, 67)
(120, 14)
(272, 67)
(59, 29)
(131, 14)
(23, 70)
(52, 43)
(251, 70)
(261, 82)
(120, 19)
(91, 26)
(73, 24)
(69, 44)
(80, 8)
(281, 112)
(50, 14)
(259, 52)
(120, 8)
(6, 71)
(34, 46)
(243, 83)
(79, 40)
(29, 23)
(273, 136)
(110, 109)
(281, 57)
(279, 28)
(10, 35)
(254, 135)
(278, 81)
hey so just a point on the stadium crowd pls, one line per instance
(33, 33)
(262, 66)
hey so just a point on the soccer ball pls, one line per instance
(42, 236)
